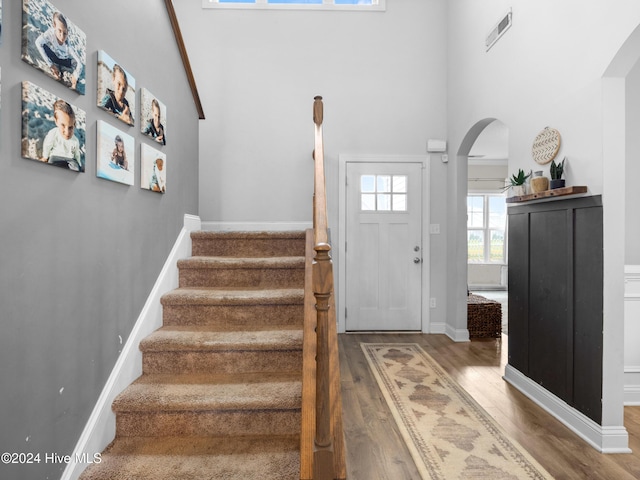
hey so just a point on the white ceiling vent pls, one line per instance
(497, 31)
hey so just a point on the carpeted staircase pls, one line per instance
(220, 394)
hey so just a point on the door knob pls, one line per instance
(417, 260)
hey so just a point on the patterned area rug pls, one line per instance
(448, 434)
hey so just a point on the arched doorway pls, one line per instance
(486, 143)
(487, 169)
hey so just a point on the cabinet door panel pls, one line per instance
(587, 350)
(518, 250)
(548, 298)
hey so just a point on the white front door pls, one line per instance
(383, 248)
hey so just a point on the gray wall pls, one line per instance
(79, 255)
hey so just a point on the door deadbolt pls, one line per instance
(416, 248)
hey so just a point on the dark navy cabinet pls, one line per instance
(555, 298)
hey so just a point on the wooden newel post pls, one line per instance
(317, 110)
(323, 463)
(317, 116)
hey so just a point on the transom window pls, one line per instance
(486, 224)
(301, 4)
(383, 193)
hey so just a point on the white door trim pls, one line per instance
(343, 159)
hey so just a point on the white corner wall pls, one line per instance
(530, 80)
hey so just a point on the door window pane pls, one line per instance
(384, 201)
(383, 193)
(368, 183)
(384, 183)
(368, 202)
(400, 202)
(400, 184)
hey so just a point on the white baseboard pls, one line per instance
(255, 226)
(610, 439)
(101, 427)
(457, 335)
(437, 328)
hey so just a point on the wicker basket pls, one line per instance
(484, 317)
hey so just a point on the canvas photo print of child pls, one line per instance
(115, 154)
(53, 44)
(116, 89)
(153, 169)
(153, 117)
(53, 131)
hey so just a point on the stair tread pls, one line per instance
(232, 328)
(267, 234)
(248, 244)
(210, 392)
(242, 262)
(169, 458)
(199, 338)
(234, 296)
(218, 378)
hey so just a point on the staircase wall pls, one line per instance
(80, 255)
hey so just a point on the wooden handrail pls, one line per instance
(322, 437)
(185, 58)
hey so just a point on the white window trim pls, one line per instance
(380, 6)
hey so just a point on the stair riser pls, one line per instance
(241, 277)
(226, 316)
(221, 362)
(207, 423)
(221, 247)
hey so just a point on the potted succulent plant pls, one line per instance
(556, 171)
(517, 183)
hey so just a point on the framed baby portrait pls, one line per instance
(52, 43)
(115, 154)
(153, 169)
(153, 117)
(116, 89)
(53, 131)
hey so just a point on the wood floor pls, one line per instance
(375, 449)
